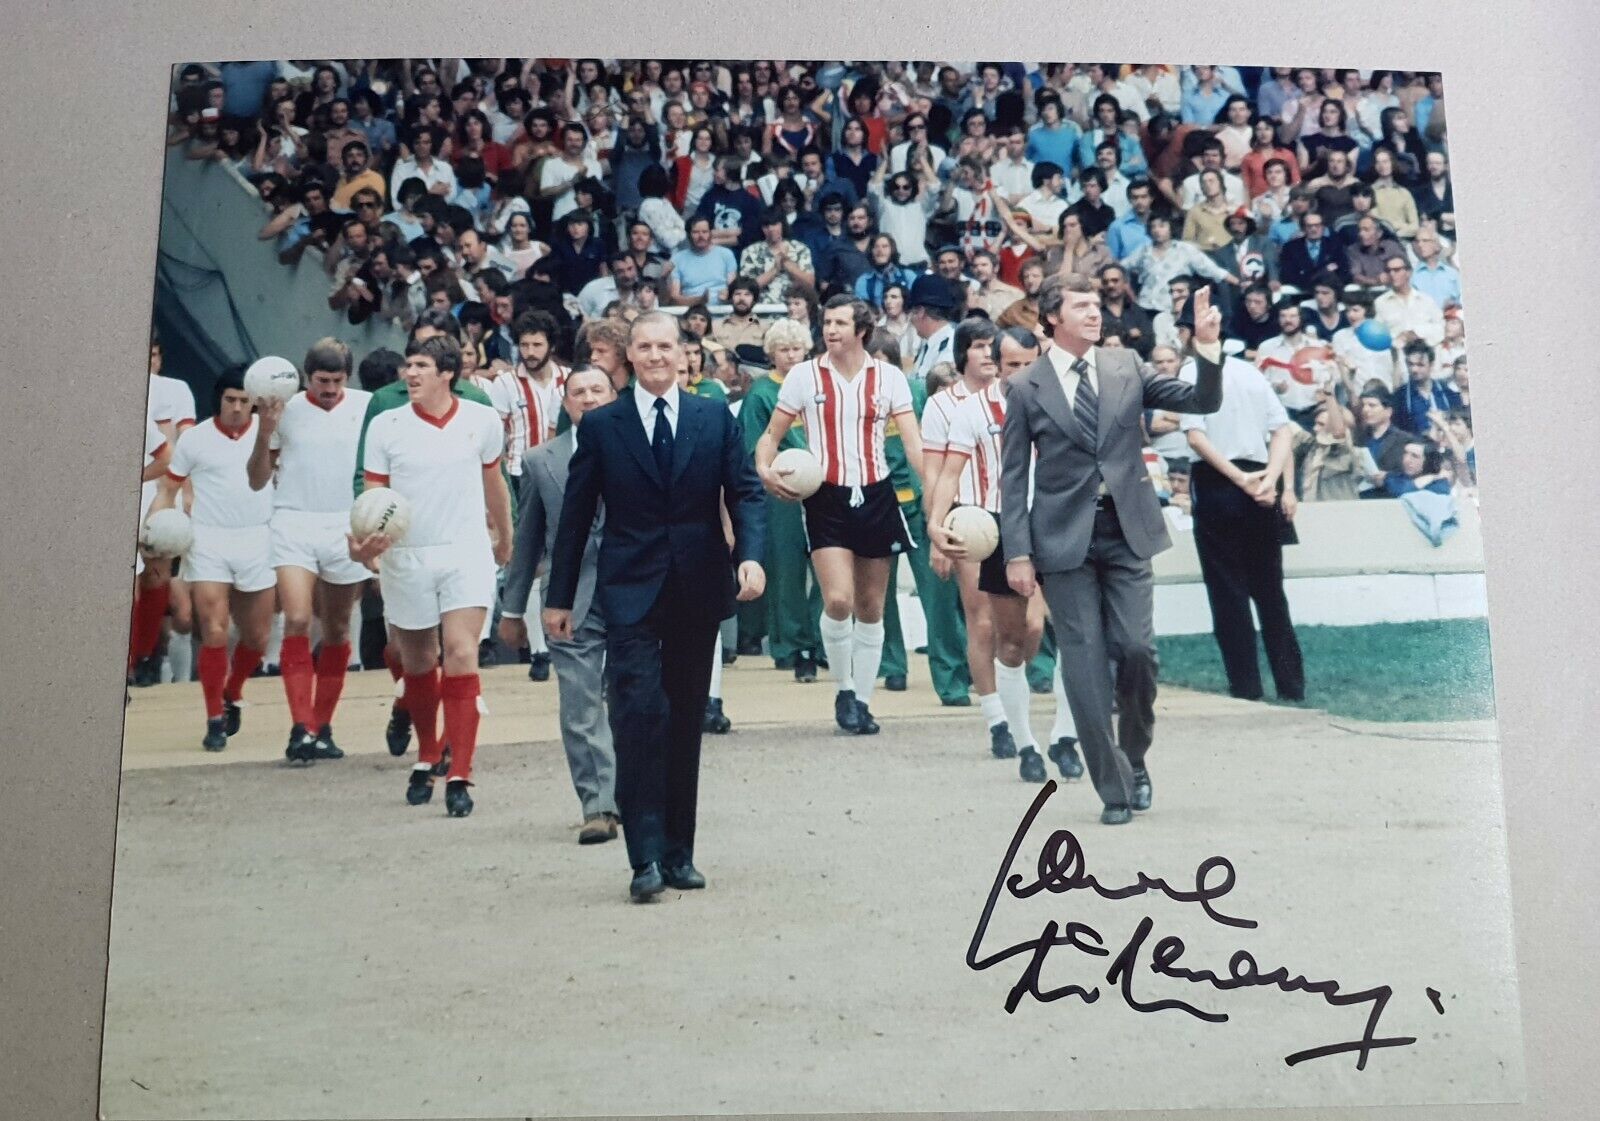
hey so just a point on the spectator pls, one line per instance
(1128, 233)
(1435, 279)
(620, 284)
(1434, 194)
(477, 254)
(928, 156)
(1330, 191)
(1324, 317)
(577, 256)
(1312, 256)
(1393, 204)
(1421, 468)
(700, 271)
(1094, 213)
(694, 173)
(903, 214)
(1012, 171)
(1257, 322)
(895, 321)
(1209, 158)
(1274, 201)
(473, 140)
(1331, 136)
(854, 161)
(740, 327)
(1078, 251)
(667, 229)
(1326, 468)
(733, 211)
(1294, 379)
(1044, 207)
(884, 270)
(1366, 259)
(1206, 223)
(991, 294)
(1157, 264)
(558, 173)
(436, 175)
(636, 150)
(653, 266)
(1378, 435)
(1421, 396)
(777, 262)
(519, 246)
(340, 130)
(1264, 149)
(1408, 313)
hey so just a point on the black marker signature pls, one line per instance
(1061, 868)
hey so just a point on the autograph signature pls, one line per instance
(1060, 868)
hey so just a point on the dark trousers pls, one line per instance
(659, 674)
(1102, 614)
(1241, 562)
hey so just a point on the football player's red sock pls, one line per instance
(213, 663)
(148, 611)
(295, 662)
(422, 699)
(460, 695)
(331, 664)
(391, 658)
(245, 661)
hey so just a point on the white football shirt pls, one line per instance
(317, 452)
(154, 441)
(437, 464)
(939, 412)
(170, 400)
(217, 461)
(845, 418)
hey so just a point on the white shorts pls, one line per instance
(316, 543)
(421, 584)
(240, 557)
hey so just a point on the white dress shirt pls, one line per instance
(645, 401)
(1251, 412)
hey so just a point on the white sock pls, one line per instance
(488, 626)
(994, 712)
(536, 642)
(180, 655)
(716, 670)
(866, 657)
(1012, 683)
(838, 642)
(1063, 728)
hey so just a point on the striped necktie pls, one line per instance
(1085, 405)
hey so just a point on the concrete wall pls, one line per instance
(209, 219)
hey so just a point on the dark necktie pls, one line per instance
(661, 443)
(1085, 405)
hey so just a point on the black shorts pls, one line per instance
(992, 571)
(876, 528)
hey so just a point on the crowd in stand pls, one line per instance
(1316, 202)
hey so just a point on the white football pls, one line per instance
(167, 533)
(271, 377)
(801, 471)
(977, 530)
(380, 510)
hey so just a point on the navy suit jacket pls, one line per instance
(657, 526)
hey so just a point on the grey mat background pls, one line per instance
(79, 195)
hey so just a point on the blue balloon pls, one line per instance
(1373, 335)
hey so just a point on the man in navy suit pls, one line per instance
(664, 463)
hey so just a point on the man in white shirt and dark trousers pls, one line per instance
(1241, 523)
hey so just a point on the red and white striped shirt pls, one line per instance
(938, 414)
(975, 437)
(845, 418)
(527, 408)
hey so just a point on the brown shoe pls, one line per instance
(598, 829)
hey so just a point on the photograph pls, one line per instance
(737, 586)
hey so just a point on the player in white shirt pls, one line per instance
(854, 527)
(969, 475)
(227, 565)
(146, 632)
(974, 340)
(170, 408)
(443, 455)
(308, 445)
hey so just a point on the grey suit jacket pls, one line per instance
(1056, 529)
(544, 483)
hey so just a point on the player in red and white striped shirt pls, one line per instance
(976, 368)
(853, 524)
(970, 475)
(226, 566)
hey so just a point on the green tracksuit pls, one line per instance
(791, 610)
(940, 599)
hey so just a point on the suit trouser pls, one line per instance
(1241, 560)
(1102, 612)
(580, 668)
(941, 608)
(792, 611)
(659, 673)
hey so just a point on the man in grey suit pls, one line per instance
(1092, 522)
(580, 661)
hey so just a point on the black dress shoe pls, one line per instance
(846, 713)
(865, 724)
(895, 683)
(715, 722)
(486, 654)
(684, 877)
(1064, 754)
(1032, 767)
(750, 648)
(647, 883)
(1116, 815)
(457, 802)
(216, 734)
(1141, 789)
(962, 701)
(729, 656)
(231, 717)
(539, 667)
(1041, 688)
(1001, 743)
(147, 672)
(398, 733)
(805, 668)
(785, 662)
(419, 788)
